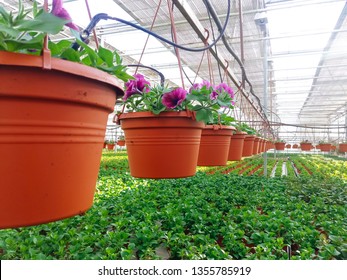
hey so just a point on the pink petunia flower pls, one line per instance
(214, 95)
(139, 85)
(226, 88)
(174, 98)
(59, 11)
(198, 86)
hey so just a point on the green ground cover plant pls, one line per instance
(218, 216)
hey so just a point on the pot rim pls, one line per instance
(74, 68)
(165, 114)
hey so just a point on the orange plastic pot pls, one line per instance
(248, 146)
(214, 145)
(280, 146)
(121, 143)
(110, 147)
(306, 146)
(343, 148)
(236, 146)
(256, 145)
(162, 146)
(262, 145)
(52, 128)
(325, 147)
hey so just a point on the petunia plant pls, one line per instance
(205, 99)
(24, 32)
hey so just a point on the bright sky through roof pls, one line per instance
(296, 57)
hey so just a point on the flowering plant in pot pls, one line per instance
(280, 144)
(121, 141)
(248, 143)
(173, 119)
(237, 140)
(342, 147)
(324, 146)
(110, 144)
(305, 145)
(54, 104)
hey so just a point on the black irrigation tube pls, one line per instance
(102, 16)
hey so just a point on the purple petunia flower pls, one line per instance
(205, 83)
(59, 11)
(226, 88)
(214, 95)
(139, 85)
(174, 98)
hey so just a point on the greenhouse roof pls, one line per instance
(304, 91)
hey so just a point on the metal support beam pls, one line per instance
(187, 12)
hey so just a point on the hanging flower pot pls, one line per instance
(295, 146)
(161, 146)
(325, 147)
(236, 146)
(121, 143)
(288, 146)
(110, 146)
(306, 146)
(256, 145)
(214, 145)
(248, 146)
(262, 145)
(279, 146)
(343, 147)
(268, 145)
(52, 128)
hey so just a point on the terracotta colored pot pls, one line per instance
(248, 146)
(306, 146)
(343, 148)
(325, 147)
(214, 145)
(110, 147)
(256, 145)
(262, 145)
(52, 129)
(333, 148)
(236, 146)
(279, 146)
(162, 146)
(121, 143)
(295, 146)
(288, 146)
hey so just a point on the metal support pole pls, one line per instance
(265, 89)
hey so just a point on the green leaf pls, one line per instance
(118, 58)
(4, 14)
(71, 55)
(34, 43)
(204, 115)
(44, 22)
(10, 31)
(106, 55)
(94, 58)
(35, 10)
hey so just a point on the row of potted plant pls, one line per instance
(171, 131)
(307, 146)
